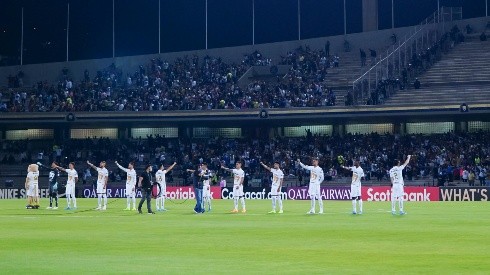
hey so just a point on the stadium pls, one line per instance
(244, 136)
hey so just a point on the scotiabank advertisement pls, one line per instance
(173, 192)
(383, 193)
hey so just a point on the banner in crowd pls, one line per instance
(328, 193)
(412, 193)
(464, 193)
(173, 192)
(252, 193)
(20, 193)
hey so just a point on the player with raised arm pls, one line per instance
(70, 184)
(238, 177)
(130, 185)
(53, 184)
(160, 177)
(355, 187)
(397, 192)
(277, 180)
(32, 186)
(206, 175)
(316, 178)
(102, 177)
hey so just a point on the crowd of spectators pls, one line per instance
(440, 157)
(189, 83)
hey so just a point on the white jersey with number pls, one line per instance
(160, 176)
(277, 176)
(33, 181)
(357, 174)
(316, 173)
(70, 183)
(103, 174)
(238, 176)
(396, 173)
(72, 174)
(130, 175)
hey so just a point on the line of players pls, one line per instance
(316, 178)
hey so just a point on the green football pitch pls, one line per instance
(434, 237)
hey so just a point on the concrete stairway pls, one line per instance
(462, 76)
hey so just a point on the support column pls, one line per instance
(369, 15)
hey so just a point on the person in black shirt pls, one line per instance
(53, 184)
(146, 183)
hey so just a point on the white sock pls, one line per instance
(209, 202)
(67, 200)
(104, 196)
(279, 199)
(128, 202)
(354, 206)
(162, 203)
(243, 202)
(313, 204)
(99, 200)
(235, 201)
(74, 201)
(393, 202)
(320, 202)
(360, 205)
(274, 203)
(134, 201)
(157, 203)
(400, 204)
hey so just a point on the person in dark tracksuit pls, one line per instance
(146, 183)
(53, 184)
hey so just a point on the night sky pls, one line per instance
(183, 24)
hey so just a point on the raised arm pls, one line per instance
(122, 168)
(91, 165)
(302, 165)
(346, 168)
(190, 170)
(408, 160)
(265, 166)
(60, 168)
(171, 167)
(225, 168)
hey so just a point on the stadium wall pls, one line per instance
(376, 39)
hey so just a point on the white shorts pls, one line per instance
(70, 189)
(314, 190)
(355, 191)
(130, 190)
(237, 193)
(274, 191)
(397, 191)
(101, 189)
(33, 190)
(163, 190)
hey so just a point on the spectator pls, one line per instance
(483, 36)
(327, 48)
(363, 57)
(373, 57)
(416, 83)
(471, 178)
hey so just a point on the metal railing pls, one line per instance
(395, 64)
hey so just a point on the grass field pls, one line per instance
(445, 237)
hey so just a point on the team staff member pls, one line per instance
(146, 182)
(198, 185)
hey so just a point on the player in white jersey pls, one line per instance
(206, 175)
(102, 177)
(32, 186)
(130, 185)
(70, 184)
(397, 192)
(316, 178)
(160, 177)
(238, 177)
(355, 187)
(277, 180)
